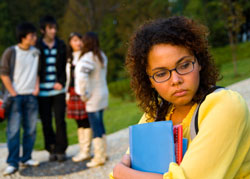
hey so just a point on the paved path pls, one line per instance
(117, 145)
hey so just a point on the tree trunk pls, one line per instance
(233, 44)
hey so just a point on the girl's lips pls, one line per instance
(180, 93)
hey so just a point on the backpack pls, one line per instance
(194, 128)
(2, 111)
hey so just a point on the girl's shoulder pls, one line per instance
(87, 55)
(225, 97)
(226, 106)
(87, 58)
(105, 58)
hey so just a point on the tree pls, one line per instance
(7, 37)
(14, 12)
(234, 18)
(204, 11)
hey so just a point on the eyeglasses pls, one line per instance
(182, 69)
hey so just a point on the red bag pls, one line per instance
(2, 111)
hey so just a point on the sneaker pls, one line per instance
(31, 163)
(61, 157)
(9, 170)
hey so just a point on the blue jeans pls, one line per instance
(96, 123)
(23, 111)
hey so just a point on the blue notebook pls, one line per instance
(152, 146)
(185, 145)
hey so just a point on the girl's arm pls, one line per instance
(219, 149)
(82, 71)
(123, 171)
(221, 146)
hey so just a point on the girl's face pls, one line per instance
(178, 89)
(76, 43)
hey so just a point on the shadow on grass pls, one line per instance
(54, 168)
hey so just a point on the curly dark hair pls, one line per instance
(176, 30)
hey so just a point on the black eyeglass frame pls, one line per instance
(170, 72)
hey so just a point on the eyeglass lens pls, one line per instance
(183, 68)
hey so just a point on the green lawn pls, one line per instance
(223, 59)
(122, 113)
(227, 71)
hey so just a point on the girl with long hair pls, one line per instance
(76, 108)
(91, 80)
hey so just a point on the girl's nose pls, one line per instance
(175, 78)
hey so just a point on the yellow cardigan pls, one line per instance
(222, 147)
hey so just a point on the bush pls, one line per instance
(121, 89)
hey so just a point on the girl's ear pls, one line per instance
(150, 79)
(151, 84)
(199, 67)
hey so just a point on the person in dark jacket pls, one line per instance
(52, 64)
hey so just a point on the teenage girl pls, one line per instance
(75, 106)
(91, 80)
(171, 70)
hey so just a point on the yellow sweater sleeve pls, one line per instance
(222, 143)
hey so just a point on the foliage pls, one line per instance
(6, 35)
(234, 18)
(121, 89)
(210, 11)
(111, 44)
(14, 12)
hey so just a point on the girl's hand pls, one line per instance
(126, 160)
(120, 168)
(123, 171)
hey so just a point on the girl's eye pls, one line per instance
(161, 73)
(184, 65)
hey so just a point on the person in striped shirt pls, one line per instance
(52, 64)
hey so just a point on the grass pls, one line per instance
(122, 113)
(223, 55)
(243, 67)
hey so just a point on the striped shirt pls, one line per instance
(47, 87)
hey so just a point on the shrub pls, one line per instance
(121, 89)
